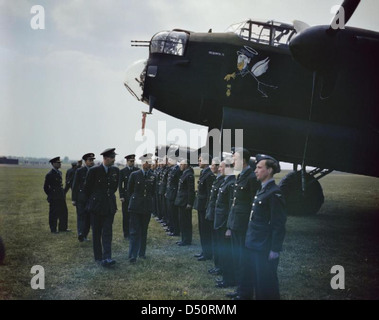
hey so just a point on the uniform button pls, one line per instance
(253, 204)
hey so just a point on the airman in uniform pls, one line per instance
(210, 213)
(162, 191)
(53, 187)
(123, 190)
(245, 187)
(184, 201)
(70, 176)
(265, 234)
(157, 173)
(173, 176)
(79, 198)
(100, 187)
(141, 191)
(204, 187)
(222, 209)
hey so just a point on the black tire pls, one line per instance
(297, 203)
(2, 251)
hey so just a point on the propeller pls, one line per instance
(348, 8)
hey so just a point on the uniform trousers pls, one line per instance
(58, 215)
(83, 219)
(260, 277)
(205, 231)
(163, 208)
(102, 235)
(125, 218)
(158, 206)
(173, 215)
(185, 222)
(215, 250)
(224, 250)
(139, 222)
(238, 251)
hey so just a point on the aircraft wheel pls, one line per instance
(299, 204)
(2, 251)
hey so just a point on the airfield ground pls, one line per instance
(345, 233)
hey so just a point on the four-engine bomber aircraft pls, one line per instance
(308, 97)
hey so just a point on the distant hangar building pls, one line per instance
(5, 160)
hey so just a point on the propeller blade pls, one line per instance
(349, 7)
(300, 25)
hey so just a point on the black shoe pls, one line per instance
(232, 294)
(202, 258)
(54, 232)
(198, 255)
(80, 237)
(223, 284)
(182, 244)
(108, 262)
(132, 260)
(214, 271)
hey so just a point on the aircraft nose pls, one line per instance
(135, 78)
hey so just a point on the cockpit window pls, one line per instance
(269, 33)
(169, 42)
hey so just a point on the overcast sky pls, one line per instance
(62, 89)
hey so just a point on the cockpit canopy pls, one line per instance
(169, 42)
(271, 33)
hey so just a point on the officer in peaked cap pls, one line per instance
(53, 188)
(109, 153)
(141, 192)
(148, 157)
(265, 234)
(123, 190)
(130, 157)
(89, 156)
(79, 199)
(100, 187)
(55, 160)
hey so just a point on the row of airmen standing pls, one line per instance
(230, 231)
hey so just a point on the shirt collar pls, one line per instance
(244, 170)
(266, 183)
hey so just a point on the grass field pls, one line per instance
(345, 232)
